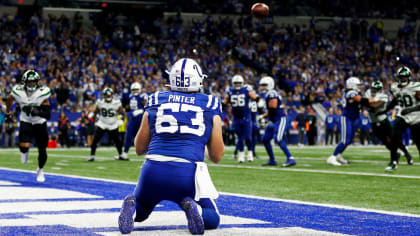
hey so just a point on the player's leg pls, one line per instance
(25, 137)
(41, 139)
(280, 133)
(248, 140)
(266, 139)
(384, 134)
(399, 127)
(415, 132)
(210, 213)
(99, 132)
(254, 138)
(346, 132)
(239, 125)
(114, 135)
(139, 202)
(132, 129)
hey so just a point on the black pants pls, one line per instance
(337, 136)
(399, 127)
(329, 136)
(112, 134)
(311, 134)
(364, 136)
(301, 135)
(64, 138)
(28, 131)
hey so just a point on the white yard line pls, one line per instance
(249, 196)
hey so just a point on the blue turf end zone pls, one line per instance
(277, 214)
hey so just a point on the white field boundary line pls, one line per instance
(384, 162)
(244, 195)
(265, 168)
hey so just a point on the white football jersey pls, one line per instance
(379, 96)
(406, 97)
(36, 98)
(108, 114)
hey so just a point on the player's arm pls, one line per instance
(215, 145)
(142, 140)
(253, 95)
(122, 112)
(43, 110)
(412, 109)
(272, 108)
(374, 103)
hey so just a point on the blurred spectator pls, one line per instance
(228, 132)
(364, 128)
(63, 130)
(337, 121)
(2, 128)
(330, 127)
(10, 125)
(301, 126)
(312, 131)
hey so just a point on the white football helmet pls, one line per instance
(376, 87)
(186, 76)
(237, 82)
(135, 88)
(266, 83)
(353, 83)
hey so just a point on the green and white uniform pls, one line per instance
(36, 98)
(406, 97)
(108, 114)
(379, 96)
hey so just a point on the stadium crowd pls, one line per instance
(309, 65)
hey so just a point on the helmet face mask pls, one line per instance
(135, 88)
(238, 82)
(31, 80)
(376, 87)
(186, 76)
(403, 76)
(108, 94)
(266, 84)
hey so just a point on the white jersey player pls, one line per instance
(35, 111)
(381, 125)
(108, 108)
(407, 94)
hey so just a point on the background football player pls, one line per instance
(279, 123)
(407, 95)
(35, 111)
(351, 111)
(176, 128)
(381, 125)
(238, 97)
(137, 102)
(108, 107)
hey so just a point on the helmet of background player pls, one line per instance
(107, 94)
(186, 76)
(266, 84)
(376, 87)
(353, 83)
(403, 75)
(237, 82)
(31, 80)
(135, 88)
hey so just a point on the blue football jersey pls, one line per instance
(330, 122)
(254, 110)
(136, 104)
(272, 94)
(181, 123)
(351, 110)
(239, 100)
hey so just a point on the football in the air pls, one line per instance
(259, 10)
